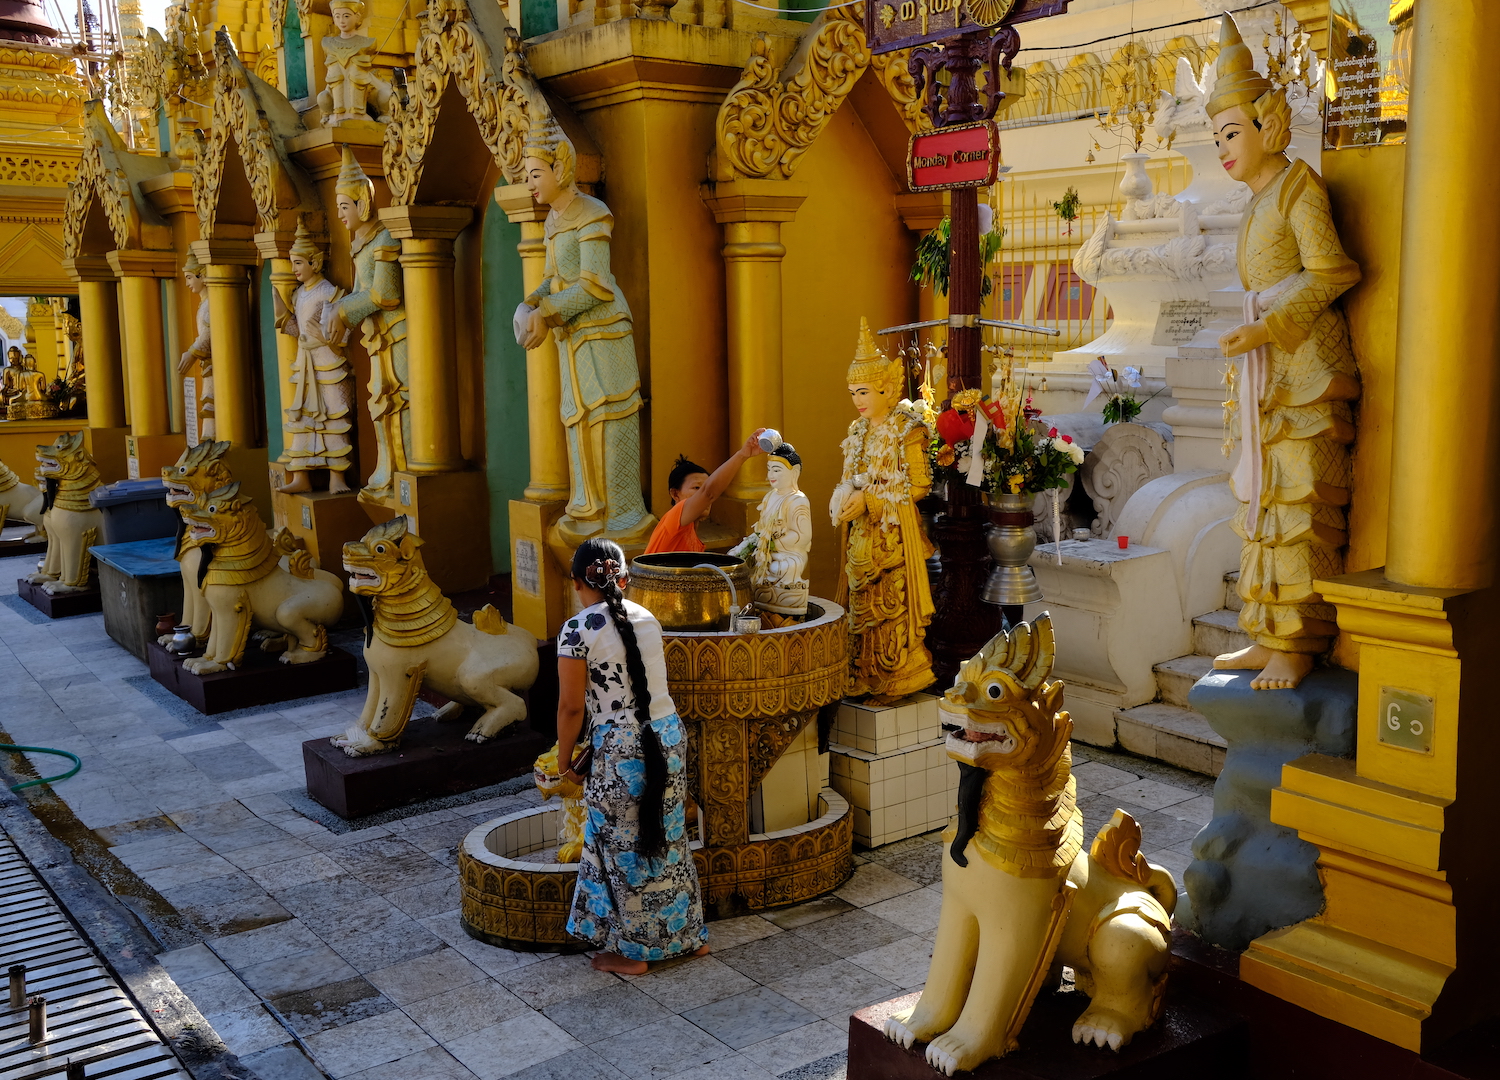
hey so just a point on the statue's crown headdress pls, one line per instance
(303, 245)
(870, 364)
(356, 6)
(191, 265)
(1237, 82)
(353, 180)
(546, 141)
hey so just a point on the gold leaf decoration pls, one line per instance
(768, 121)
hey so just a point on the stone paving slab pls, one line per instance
(337, 952)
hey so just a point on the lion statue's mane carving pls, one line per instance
(198, 471)
(1020, 896)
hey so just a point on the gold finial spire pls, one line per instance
(870, 364)
(1237, 82)
(354, 183)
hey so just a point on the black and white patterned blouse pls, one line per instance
(592, 637)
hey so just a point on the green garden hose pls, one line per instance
(77, 764)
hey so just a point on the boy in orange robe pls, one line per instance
(693, 490)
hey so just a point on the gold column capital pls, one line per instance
(126, 263)
(418, 222)
(277, 245)
(89, 268)
(171, 192)
(1375, 611)
(221, 252)
(1312, 16)
(519, 206)
(755, 200)
(922, 211)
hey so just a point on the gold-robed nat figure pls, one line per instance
(581, 305)
(377, 305)
(1295, 383)
(884, 583)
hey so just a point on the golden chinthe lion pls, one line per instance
(1020, 896)
(415, 639)
(198, 471)
(71, 523)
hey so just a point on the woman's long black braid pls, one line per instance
(595, 555)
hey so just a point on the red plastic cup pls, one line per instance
(1123, 541)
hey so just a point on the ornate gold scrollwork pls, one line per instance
(500, 91)
(768, 121)
(239, 114)
(101, 176)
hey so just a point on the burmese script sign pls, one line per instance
(1180, 320)
(899, 24)
(967, 155)
(1368, 81)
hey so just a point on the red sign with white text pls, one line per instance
(964, 156)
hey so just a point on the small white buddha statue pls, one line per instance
(778, 547)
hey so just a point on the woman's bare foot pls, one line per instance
(337, 485)
(608, 961)
(298, 483)
(1248, 659)
(1285, 671)
(701, 950)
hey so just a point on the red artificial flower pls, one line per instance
(954, 427)
(1052, 434)
(1065, 438)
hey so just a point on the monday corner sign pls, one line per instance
(967, 155)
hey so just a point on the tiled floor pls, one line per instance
(301, 943)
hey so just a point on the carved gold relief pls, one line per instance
(768, 121)
(499, 90)
(240, 115)
(102, 177)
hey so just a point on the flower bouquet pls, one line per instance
(1120, 405)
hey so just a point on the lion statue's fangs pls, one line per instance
(1020, 896)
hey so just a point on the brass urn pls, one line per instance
(688, 590)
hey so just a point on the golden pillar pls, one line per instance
(227, 265)
(99, 318)
(144, 339)
(426, 234)
(1444, 519)
(1405, 948)
(751, 212)
(285, 283)
(540, 585)
(545, 437)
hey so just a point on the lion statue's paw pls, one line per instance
(477, 737)
(948, 1053)
(356, 743)
(57, 588)
(897, 1031)
(204, 666)
(39, 579)
(1104, 1027)
(302, 656)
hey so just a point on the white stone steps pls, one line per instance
(1232, 599)
(1173, 734)
(1175, 678)
(1218, 632)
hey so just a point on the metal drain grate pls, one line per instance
(90, 1020)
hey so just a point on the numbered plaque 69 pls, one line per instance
(1406, 719)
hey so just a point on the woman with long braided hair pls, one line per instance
(637, 898)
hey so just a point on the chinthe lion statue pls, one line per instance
(1020, 897)
(21, 502)
(198, 471)
(246, 587)
(72, 525)
(415, 639)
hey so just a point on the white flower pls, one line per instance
(964, 463)
(1074, 451)
(1132, 376)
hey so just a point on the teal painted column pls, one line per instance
(507, 451)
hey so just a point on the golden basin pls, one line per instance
(683, 594)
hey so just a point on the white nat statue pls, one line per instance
(200, 352)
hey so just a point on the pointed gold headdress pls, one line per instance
(354, 183)
(546, 141)
(192, 265)
(870, 364)
(303, 245)
(1237, 82)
